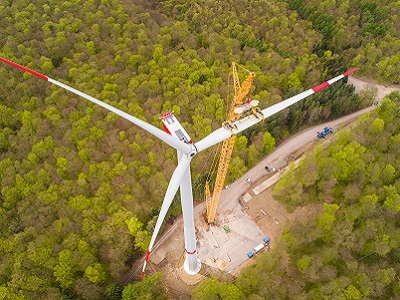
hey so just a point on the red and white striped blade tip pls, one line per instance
(23, 68)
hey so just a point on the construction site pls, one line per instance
(237, 221)
(246, 215)
(249, 212)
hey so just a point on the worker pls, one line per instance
(249, 180)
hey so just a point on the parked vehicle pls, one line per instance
(258, 247)
(323, 133)
(227, 229)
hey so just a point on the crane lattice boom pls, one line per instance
(241, 90)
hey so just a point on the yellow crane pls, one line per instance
(237, 109)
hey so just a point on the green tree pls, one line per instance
(142, 240)
(208, 289)
(236, 168)
(95, 273)
(387, 174)
(114, 291)
(304, 262)
(231, 292)
(327, 219)
(392, 199)
(378, 125)
(352, 293)
(149, 288)
(64, 271)
(134, 225)
(269, 142)
(240, 143)
(62, 165)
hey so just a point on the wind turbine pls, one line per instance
(178, 139)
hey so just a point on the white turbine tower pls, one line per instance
(179, 139)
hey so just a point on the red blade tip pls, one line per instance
(350, 72)
(23, 68)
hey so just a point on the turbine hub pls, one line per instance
(193, 150)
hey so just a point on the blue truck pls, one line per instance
(324, 132)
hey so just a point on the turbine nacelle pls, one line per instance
(173, 127)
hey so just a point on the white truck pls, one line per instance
(259, 247)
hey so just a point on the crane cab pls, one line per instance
(173, 127)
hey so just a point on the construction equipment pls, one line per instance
(237, 109)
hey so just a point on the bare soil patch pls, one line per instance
(271, 215)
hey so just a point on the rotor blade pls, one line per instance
(292, 100)
(169, 196)
(170, 140)
(222, 133)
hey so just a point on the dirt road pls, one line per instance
(382, 90)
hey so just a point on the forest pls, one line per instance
(81, 188)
